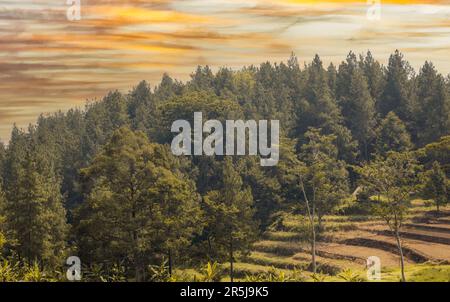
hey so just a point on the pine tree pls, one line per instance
(102, 119)
(167, 89)
(230, 214)
(2, 218)
(142, 107)
(223, 83)
(346, 70)
(375, 76)
(432, 116)
(358, 109)
(332, 79)
(391, 135)
(319, 110)
(2, 159)
(397, 94)
(202, 79)
(34, 209)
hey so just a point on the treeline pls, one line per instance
(102, 183)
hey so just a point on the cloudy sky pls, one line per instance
(49, 63)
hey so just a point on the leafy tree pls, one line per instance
(322, 180)
(436, 185)
(391, 135)
(392, 180)
(137, 204)
(229, 211)
(438, 151)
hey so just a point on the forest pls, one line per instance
(102, 184)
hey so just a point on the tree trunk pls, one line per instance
(366, 153)
(231, 260)
(437, 205)
(313, 243)
(138, 269)
(402, 259)
(319, 222)
(313, 231)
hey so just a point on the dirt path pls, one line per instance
(361, 253)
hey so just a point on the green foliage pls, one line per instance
(392, 135)
(397, 92)
(132, 189)
(160, 273)
(392, 180)
(229, 212)
(14, 270)
(358, 106)
(2, 220)
(438, 151)
(211, 272)
(432, 113)
(35, 274)
(317, 277)
(34, 206)
(9, 272)
(274, 275)
(324, 176)
(435, 185)
(349, 276)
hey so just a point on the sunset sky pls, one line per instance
(49, 63)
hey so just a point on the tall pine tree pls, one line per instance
(230, 215)
(432, 116)
(34, 210)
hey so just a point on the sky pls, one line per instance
(49, 63)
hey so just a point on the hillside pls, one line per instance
(346, 243)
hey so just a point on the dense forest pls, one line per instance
(102, 184)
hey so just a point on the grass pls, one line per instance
(277, 261)
(281, 248)
(283, 236)
(424, 272)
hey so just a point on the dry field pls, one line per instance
(347, 241)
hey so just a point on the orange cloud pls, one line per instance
(48, 63)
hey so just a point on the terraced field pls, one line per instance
(345, 242)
